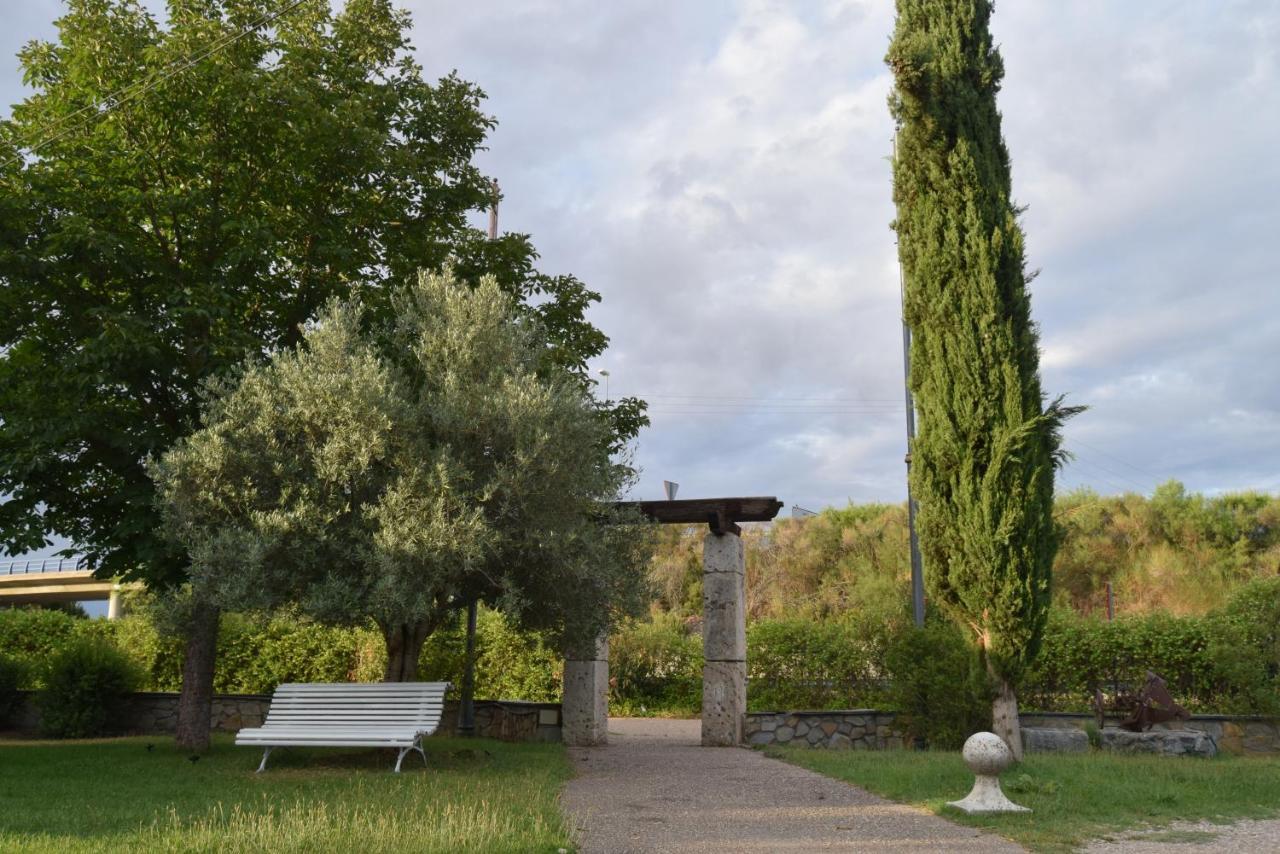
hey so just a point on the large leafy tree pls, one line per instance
(983, 461)
(175, 198)
(396, 470)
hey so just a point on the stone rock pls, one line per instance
(768, 724)
(829, 727)
(1044, 740)
(1162, 742)
(815, 736)
(839, 741)
(760, 738)
(802, 729)
(783, 734)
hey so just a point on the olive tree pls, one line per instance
(395, 470)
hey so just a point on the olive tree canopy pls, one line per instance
(397, 469)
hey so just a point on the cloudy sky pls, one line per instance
(718, 171)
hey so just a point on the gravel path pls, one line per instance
(653, 789)
(1196, 837)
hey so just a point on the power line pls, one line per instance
(869, 401)
(124, 94)
(1122, 462)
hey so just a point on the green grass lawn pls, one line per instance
(1074, 798)
(115, 794)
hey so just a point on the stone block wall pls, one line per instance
(869, 729)
(848, 729)
(1237, 734)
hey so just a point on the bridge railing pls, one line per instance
(33, 565)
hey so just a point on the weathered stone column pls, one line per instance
(724, 640)
(584, 709)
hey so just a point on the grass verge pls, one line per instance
(116, 794)
(1073, 797)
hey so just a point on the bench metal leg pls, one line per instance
(417, 745)
(265, 754)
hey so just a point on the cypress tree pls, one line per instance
(987, 445)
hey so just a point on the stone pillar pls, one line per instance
(584, 710)
(724, 640)
(113, 603)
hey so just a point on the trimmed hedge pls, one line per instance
(1227, 662)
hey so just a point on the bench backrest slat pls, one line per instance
(346, 705)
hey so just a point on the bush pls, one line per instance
(935, 686)
(655, 667)
(811, 664)
(510, 664)
(86, 688)
(32, 635)
(12, 677)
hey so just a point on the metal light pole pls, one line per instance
(467, 702)
(917, 566)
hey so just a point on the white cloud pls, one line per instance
(718, 170)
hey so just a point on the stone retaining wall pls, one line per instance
(1238, 734)
(849, 729)
(157, 712)
(869, 729)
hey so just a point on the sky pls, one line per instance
(719, 172)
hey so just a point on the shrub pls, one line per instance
(655, 666)
(811, 664)
(86, 688)
(935, 686)
(12, 677)
(510, 664)
(32, 635)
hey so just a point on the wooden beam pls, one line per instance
(720, 514)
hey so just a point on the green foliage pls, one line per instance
(31, 636)
(395, 471)
(655, 667)
(13, 675)
(85, 689)
(1187, 557)
(510, 663)
(207, 218)
(936, 684)
(1220, 663)
(983, 459)
(806, 664)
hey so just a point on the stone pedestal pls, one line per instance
(724, 640)
(987, 755)
(585, 708)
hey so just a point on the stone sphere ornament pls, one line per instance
(987, 755)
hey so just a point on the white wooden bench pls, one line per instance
(383, 714)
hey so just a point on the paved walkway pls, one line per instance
(653, 789)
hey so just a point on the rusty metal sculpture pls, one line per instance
(1151, 705)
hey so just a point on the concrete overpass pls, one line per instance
(45, 580)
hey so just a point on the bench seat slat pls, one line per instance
(349, 715)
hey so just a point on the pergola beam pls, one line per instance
(720, 514)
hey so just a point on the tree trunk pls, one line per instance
(195, 703)
(1004, 718)
(404, 645)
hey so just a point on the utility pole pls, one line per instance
(467, 704)
(917, 566)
